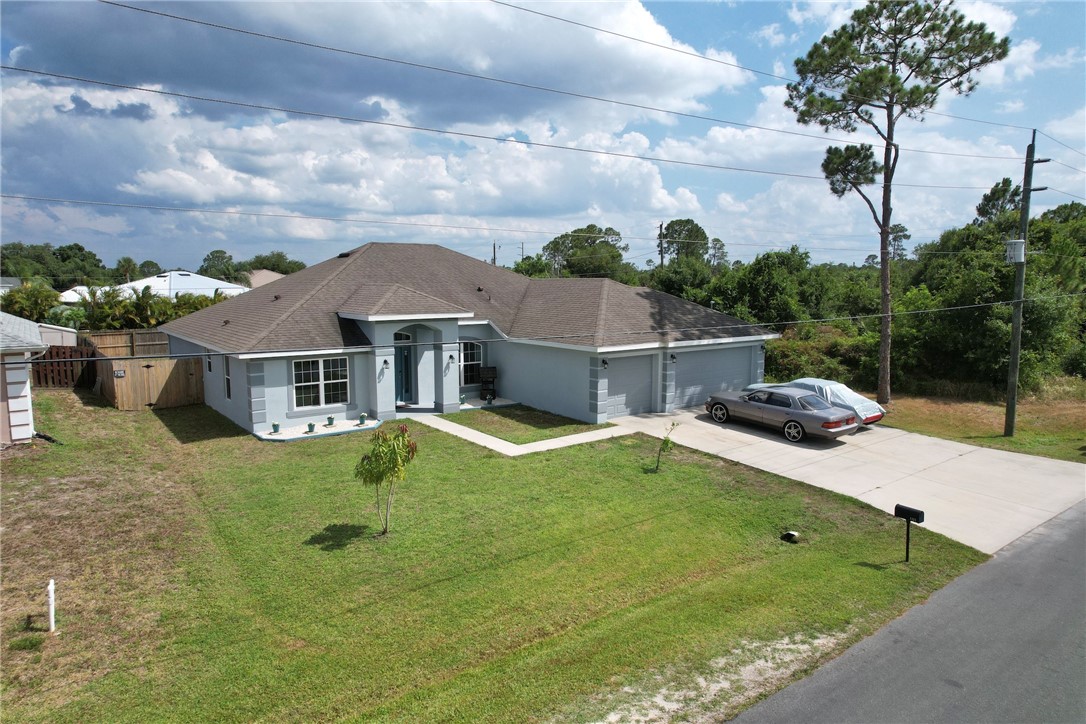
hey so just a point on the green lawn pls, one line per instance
(204, 575)
(519, 424)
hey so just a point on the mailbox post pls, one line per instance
(911, 515)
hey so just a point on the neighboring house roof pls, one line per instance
(19, 335)
(167, 284)
(7, 283)
(260, 277)
(73, 295)
(172, 283)
(310, 309)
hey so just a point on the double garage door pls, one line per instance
(698, 374)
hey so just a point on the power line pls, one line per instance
(446, 132)
(1056, 140)
(558, 337)
(457, 227)
(530, 86)
(1074, 196)
(748, 69)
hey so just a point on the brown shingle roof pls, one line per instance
(301, 310)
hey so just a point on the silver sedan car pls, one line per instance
(795, 412)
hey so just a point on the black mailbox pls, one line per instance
(910, 514)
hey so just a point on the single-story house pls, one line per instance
(386, 328)
(167, 284)
(19, 340)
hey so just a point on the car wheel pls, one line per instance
(719, 413)
(794, 431)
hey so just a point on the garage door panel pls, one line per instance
(629, 386)
(702, 373)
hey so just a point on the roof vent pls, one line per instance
(344, 255)
(225, 322)
(276, 298)
(184, 274)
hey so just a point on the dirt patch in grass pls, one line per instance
(106, 527)
(726, 686)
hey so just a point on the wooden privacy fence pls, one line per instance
(64, 367)
(129, 342)
(155, 383)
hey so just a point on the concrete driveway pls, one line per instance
(981, 497)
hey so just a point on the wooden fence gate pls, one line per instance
(153, 383)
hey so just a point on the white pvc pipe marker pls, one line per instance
(52, 607)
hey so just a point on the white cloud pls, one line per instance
(771, 35)
(999, 19)
(828, 15)
(1012, 106)
(1070, 129)
(1025, 61)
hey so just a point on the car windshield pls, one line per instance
(814, 402)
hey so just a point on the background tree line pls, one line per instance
(45, 271)
(951, 320)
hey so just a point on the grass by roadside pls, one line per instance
(519, 424)
(205, 575)
(1050, 426)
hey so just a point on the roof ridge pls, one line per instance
(532, 282)
(360, 250)
(395, 287)
(601, 313)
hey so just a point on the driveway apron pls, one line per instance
(981, 497)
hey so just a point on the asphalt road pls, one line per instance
(1005, 642)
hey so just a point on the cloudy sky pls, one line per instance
(372, 121)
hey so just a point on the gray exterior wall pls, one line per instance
(547, 378)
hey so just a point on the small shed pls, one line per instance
(20, 340)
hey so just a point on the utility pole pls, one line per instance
(1019, 290)
(494, 255)
(660, 242)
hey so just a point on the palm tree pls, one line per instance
(127, 268)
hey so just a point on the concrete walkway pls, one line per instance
(507, 448)
(981, 497)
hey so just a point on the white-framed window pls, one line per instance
(321, 382)
(226, 374)
(471, 359)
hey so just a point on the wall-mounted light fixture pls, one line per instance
(603, 363)
(452, 358)
(385, 364)
(674, 359)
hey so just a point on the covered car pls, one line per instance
(868, 412)
(795, 412)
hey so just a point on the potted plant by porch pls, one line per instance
(362, 420)
(311, 425)
(275, 428)
(331, 421)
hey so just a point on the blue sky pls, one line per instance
(274, 180)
